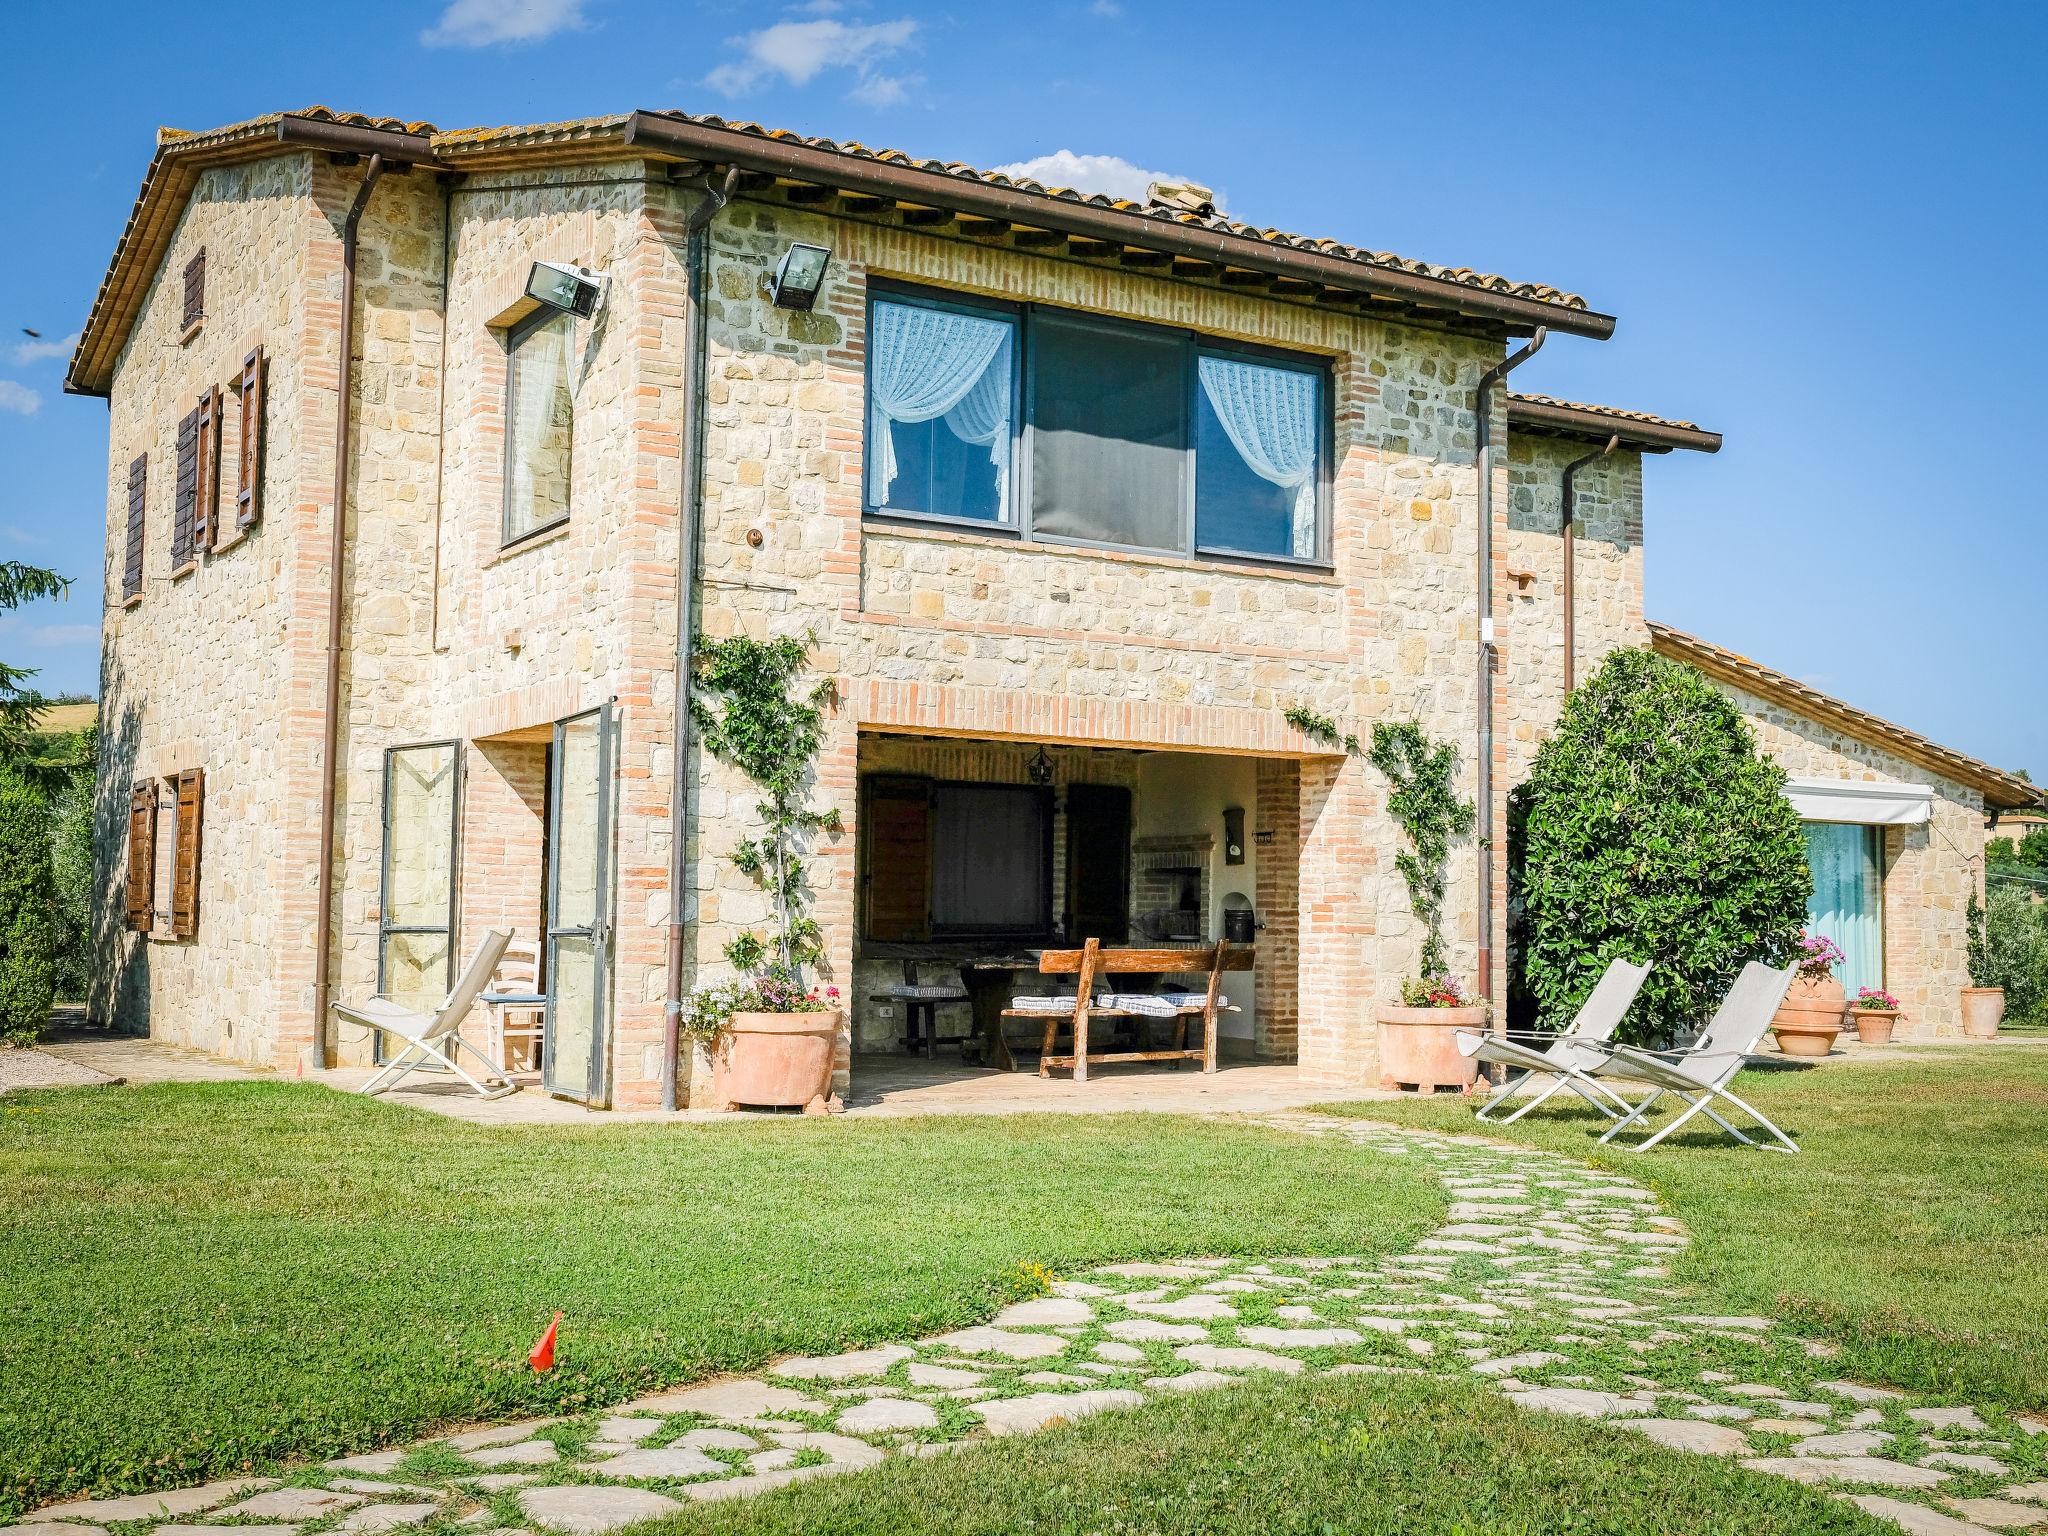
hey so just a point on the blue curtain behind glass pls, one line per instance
(1847, 903)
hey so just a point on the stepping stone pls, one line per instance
(922, 1375)
(1999, 1512)
(497, 1434)
(1732, 1412)
(1853, 1442)
(1914, 1519)
(527, 1453)
(730, 1400)
(202, 1530)
(1044, 1312)
(590, 1509)
(882, 1415)
(377, 1488)
(1300, 1338)
(712, 1439)
(1020, 1415)
(498, 1482)
(1581, 1402)
(1508, 1365)
(1692, 1435)
(35, 1529)
(1962, 1461)
(773, 1461)
(1000, 1341)
(753, 1483)
(155, 1506)
(2036, 1493)
(858, 1362)
(375, 1461)
(678, 1461)
(385, 1517)
(618, 1430)
(1754, 1389)
(840, 1450)
(292, 1504)
(1148, 1331)
(1053, 1379)
(1964, 1419)
(1792, 1408)
(1157, 1271)
(1790, 1426)
(1856, 1392)
(1192, 1381)
(1079, 1288)
(1187, 1307)
(1122, 1354)
(1385, 1324)
(1848, 1469)
(1218, 1358)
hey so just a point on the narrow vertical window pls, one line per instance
(142, 856)
(539, 412)
(185, 495)
(195, 290)
(191, 788)
(138, 506)
(1258, 458)
(206, 515)
(942, 412)
(249, 465)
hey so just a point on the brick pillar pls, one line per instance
(1338, 1038)
(1276, 979)
(832, 867)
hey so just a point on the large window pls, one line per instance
(539, 412)
(1125, 435)
(1847, 904)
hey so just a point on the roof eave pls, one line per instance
(664, 135)
(1596, 427)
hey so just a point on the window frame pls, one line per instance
(514, 334)
(1019, 523)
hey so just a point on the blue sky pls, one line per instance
(1821, 227)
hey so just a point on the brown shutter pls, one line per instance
(896, 844)
(195, 288)
(138, 498)
(206, 515)
(249, 476)
(141, 856)
(185, 858)
(185, 500)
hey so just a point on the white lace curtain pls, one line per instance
(1271, 418)
(924, 363)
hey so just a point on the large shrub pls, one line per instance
(2009, 949)
(27, 911)
(71, 867)
(1655, 831)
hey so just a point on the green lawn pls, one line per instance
(1316, 1456)
(1912, 1229)
(205, 1278)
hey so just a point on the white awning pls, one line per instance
(1860, 801)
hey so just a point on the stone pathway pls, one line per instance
(1549, 1281)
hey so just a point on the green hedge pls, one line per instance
(27, 911)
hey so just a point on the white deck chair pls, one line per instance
(1700, 1074)
(436, 1037)
(1564, 1058)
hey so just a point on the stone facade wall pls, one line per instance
(1930, 871)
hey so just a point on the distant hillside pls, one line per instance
(59, 719)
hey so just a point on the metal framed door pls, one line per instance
(577, 1038)
(417, 882)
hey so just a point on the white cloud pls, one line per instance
(1108, 10)
(1111, 174)
(14, 533)
(19, 398)
(46, 636)
(36, 351)
(480, 23)
(799, 51)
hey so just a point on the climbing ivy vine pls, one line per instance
(1425, 802)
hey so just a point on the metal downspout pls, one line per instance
(1482, 457)
(1568, 529)
(337, 549)
(696, 229)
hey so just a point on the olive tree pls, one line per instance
(1655, 831)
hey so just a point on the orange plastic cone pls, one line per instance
(542, 1357)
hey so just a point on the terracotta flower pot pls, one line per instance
(1983, 1007)
(1807, 1022)
(1874, 1025)
(1418, 1048)
(779, 1059)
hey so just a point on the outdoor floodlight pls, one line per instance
(574, 290)
(799, 275)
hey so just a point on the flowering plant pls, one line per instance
(1818, 956)
(1435, 991)
(709, 1009)
(1875, 997)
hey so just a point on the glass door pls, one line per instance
(1847, 904)
(576, 1039)
(416, 891)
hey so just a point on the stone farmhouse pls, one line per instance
(1078, 498)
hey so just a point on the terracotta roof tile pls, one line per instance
(1605, 410)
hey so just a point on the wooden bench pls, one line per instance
(1092, 961)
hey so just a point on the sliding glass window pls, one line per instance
(942, 410)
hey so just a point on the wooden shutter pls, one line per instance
(195, 288)
(249, 475)
(141, 856)
(185, 857)
(138, 498)
(206, 514)
(1098, 863)
(185, 500)
(896, 850)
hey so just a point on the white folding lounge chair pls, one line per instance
(1700, 1074)
(1564, 1058)
(436, 1037)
